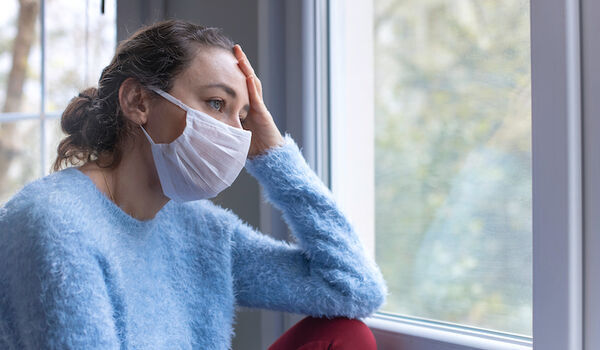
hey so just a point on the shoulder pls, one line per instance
(47, 192)
(43, 204)
(35, 231)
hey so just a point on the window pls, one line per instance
(50, 50)
(555, 164)
(452, 129)
(445, 148)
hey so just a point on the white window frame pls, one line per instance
(558, 186)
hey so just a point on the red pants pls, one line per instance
(339, 333)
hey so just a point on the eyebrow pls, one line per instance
(228, 90)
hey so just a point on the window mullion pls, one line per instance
(591, 187)
(43, 88)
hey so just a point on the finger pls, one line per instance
(237, 51)
(240, 53)
(255, 99)
(247, 72)
(243, 61)
(246, 67)
(258, 86)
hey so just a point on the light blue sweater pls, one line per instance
(79, 273)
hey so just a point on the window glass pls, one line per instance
(20, 68)
(20, 159)
(453, 207)
(79, 42)
(20, 81)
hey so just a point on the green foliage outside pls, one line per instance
(453, 160)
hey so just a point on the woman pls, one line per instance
(124, 249)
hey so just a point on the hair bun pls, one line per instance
(81, 94)
(78, 110)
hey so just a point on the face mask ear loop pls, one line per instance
(172, 99)
(147, 135)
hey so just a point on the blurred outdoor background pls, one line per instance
(79, 43)
(453, 160)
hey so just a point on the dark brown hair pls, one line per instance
(154, 56)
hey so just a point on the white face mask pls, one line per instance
(204, 160)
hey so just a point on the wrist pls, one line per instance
(264, 147)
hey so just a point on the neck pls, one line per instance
(134, 182)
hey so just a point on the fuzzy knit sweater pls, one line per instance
(80, 273)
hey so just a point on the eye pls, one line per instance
(216, 104)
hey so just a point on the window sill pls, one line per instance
(392, 332)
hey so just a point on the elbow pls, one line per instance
(376, 297)
(370, 297)
(359, 293)
(380, 294)
(354, 297)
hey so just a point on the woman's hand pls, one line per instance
(264, 131)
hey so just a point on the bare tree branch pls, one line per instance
(28, 13)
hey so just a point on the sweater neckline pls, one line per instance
(114, 209)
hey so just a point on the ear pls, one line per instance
(134, 101)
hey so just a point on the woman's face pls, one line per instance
(213, 83)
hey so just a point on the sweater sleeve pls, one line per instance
(327, 272)
(52, 290)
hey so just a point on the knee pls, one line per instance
(346, 333)
(339, 333)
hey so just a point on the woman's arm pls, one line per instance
(52, 290)
(327, 273)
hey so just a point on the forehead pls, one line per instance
(215, 65)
